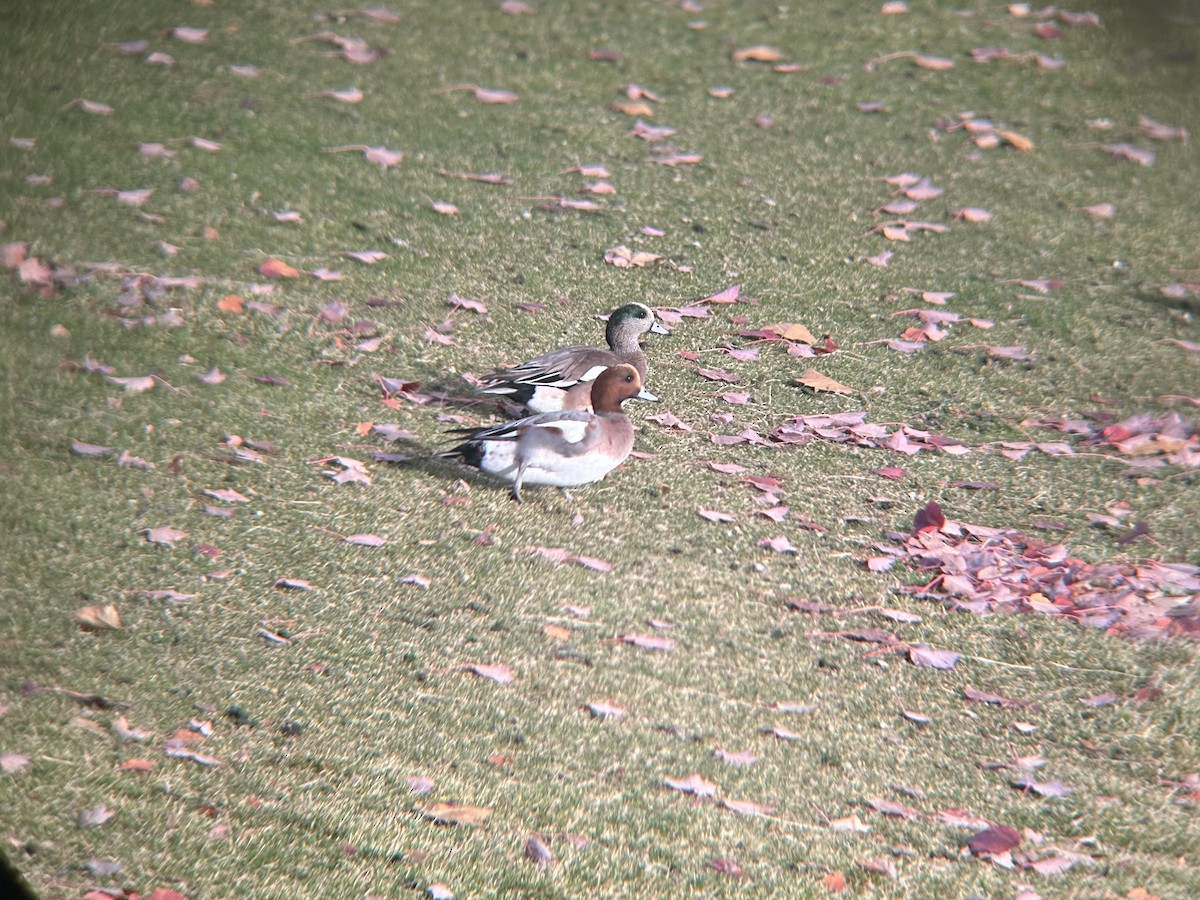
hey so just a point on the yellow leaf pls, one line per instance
(631, 108)
(450, 814)
(758, 53)
(792, 331)
(98, 618)
(818, 382)
(1017, 141)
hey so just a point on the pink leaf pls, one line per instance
(692, 784)
(365, 540)
(164, 535)
(649, 642)
(498, 673)
(739, 758)
(605, 710)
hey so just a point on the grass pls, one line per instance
(318, 736)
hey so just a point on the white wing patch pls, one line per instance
(572, 430)
(592, 374)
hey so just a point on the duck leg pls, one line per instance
(516, 488)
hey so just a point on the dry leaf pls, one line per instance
(499, 674)
(164, 535)
(692, 784)
(99, 618)
(818, 382)
(623, 258)
(451, 814)
(834, 882)
(758, 53)
(792, 331)
(275, 268)
(1016, 141)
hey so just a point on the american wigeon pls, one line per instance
(564, 448)
(562, 378)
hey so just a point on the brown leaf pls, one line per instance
(276, 268)
(997, 839)
(1016, 141)
(834, 882)
(231, 303)
(929, 517)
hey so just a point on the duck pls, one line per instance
(563, 448)
(563, 378)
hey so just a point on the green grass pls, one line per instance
(312, 799)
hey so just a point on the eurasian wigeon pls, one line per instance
(562, 378)
(564, 448)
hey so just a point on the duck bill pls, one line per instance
(644, 394)
(660, 328)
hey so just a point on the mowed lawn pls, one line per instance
(897, 595)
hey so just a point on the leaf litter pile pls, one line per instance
(679, 682)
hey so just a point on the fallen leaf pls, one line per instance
(451, 814)
(649, 642)
(164, 535)
(926, 657)
(817, 382)
(13, 762)
(624, 258)
(692, 784)
(365, 540)
(748, 807)
(996, 839)
(1050, 789)
(538, 853)
(275, 268)
(605, 710)
(757, 53)
(498, 673)
(134, 384)
(780, 544)
(99, 618)
(94, 816)
(929, 517)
